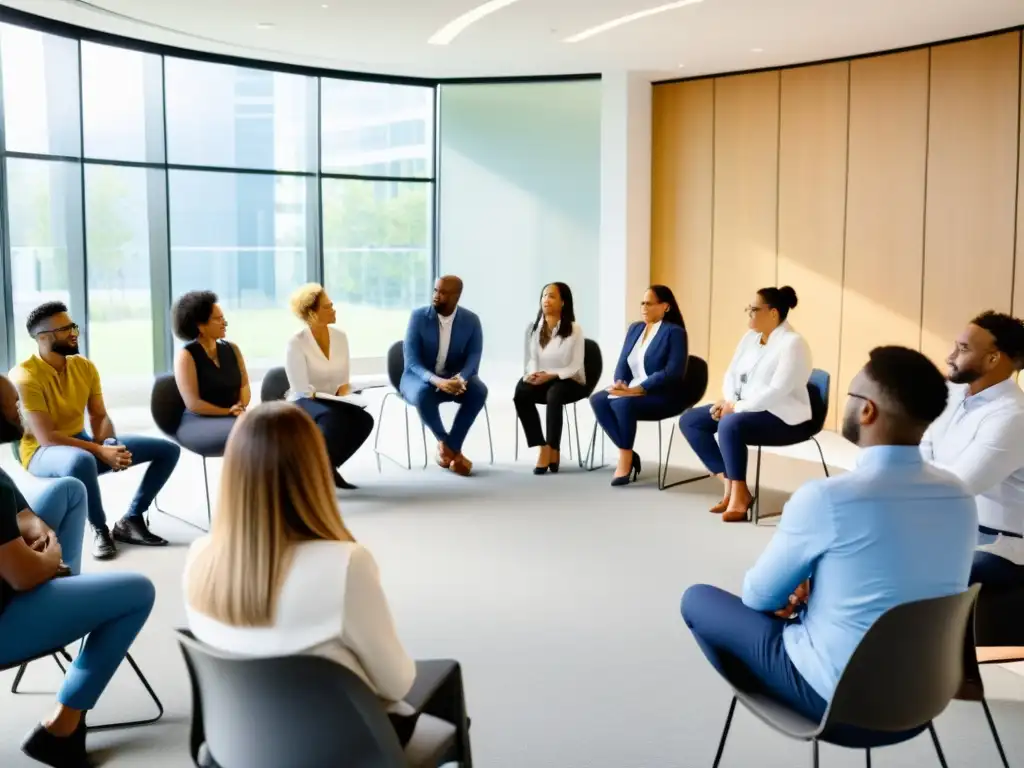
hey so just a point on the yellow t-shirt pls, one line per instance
(62, 396)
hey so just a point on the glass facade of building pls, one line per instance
(129, 176)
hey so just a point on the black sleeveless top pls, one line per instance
(219, 385)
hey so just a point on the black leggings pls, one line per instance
(438, 691)
(345, 426)
(555, 394)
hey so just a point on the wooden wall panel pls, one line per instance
(746, 185)
(885, 207)
(1018, 288)
(682, 180)
(972, 180)
(812, 205)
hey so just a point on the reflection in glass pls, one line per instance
(46, 224)
(377, 263)
(377, 129)
(239, 118)
(40, 74)
(117, 242)
(121, 104)
(242, 236)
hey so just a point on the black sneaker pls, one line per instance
(67, 752)
(133, 530)
(103, 545)
(342, 483)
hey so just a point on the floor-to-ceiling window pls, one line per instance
(129, 177)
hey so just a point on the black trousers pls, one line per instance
(344, 426)
(438, 691)
(555, 394)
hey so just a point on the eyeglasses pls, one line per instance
(72, 328)
(855, 396)
(651, 303)
(752, 310)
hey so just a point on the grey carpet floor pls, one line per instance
(560, 597)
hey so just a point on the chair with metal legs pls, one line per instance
(593, 366)
(168, 408)
(396, 365)
(817, 391)
(903, 674)
(695, 384)
(61, 653)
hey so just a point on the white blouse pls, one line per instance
(638, 353)
(772, 376)
(331, 604)
(308, 368)
(562, 356)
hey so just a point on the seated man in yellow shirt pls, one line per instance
(57, 387)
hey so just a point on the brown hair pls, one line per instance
(276, 491)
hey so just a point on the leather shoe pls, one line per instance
(461, 466)
(66, 752)
(445, 456)
(103, 547)
(342, 483)
(133, 530)
(734, 516)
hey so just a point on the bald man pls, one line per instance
(443, 346)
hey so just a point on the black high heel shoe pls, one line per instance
(631, 476)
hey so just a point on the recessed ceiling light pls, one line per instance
(325, 5)
(456, 26)
(627, 19)
(264, 25)
(757, 50)
(682, 66)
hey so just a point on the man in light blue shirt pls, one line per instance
(847, 549)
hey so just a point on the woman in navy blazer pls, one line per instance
(648, 378)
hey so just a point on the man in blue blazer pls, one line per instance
(443, 346)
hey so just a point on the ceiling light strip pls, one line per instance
(454, 28)
(588, 33)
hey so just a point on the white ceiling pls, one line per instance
(526, 37)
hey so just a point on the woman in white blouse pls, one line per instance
(317, 362)
(280, 574)
(764, 400)
(554, 373)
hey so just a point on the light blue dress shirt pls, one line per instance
(892, 531)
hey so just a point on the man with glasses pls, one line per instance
(847, 549)
(58, 387)
(980, 439)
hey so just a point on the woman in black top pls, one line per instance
(210, 373)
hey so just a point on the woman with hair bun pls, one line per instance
(764, 400)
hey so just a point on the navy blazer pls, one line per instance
(423, 340)
(664, 361)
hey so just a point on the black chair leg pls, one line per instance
(821, 453)
(995, 733)
(591, 460)
(867, 757)
(725, 733)
(938, 747)
(135, 723)
(17, 678)
(814, 753)
(663, 483)
(755, 506)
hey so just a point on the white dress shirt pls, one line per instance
(637, 354)
(772, 376)
(309, 370)
(562, 356)
(444, 340)
(980, 439)
(331, 604)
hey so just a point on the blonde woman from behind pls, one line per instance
(280, 574)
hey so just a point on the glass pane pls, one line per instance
(377, 129)
(521, 203)
(117, 242)
(121, 104)
(242, 236)
(377, 261)
(46, 223)
(239, 118)
(40, 75)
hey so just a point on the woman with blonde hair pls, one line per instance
(317, 363)
(280, 574)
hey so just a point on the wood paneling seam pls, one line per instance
(924, 213)
(1016, 196)
(711, 255)
(846, 211)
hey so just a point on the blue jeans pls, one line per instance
(618, 417)
(736, 431)
(108, 607)
(427, 400)
(61, 504)
(64, 461)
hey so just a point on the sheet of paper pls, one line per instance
(351, 399)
